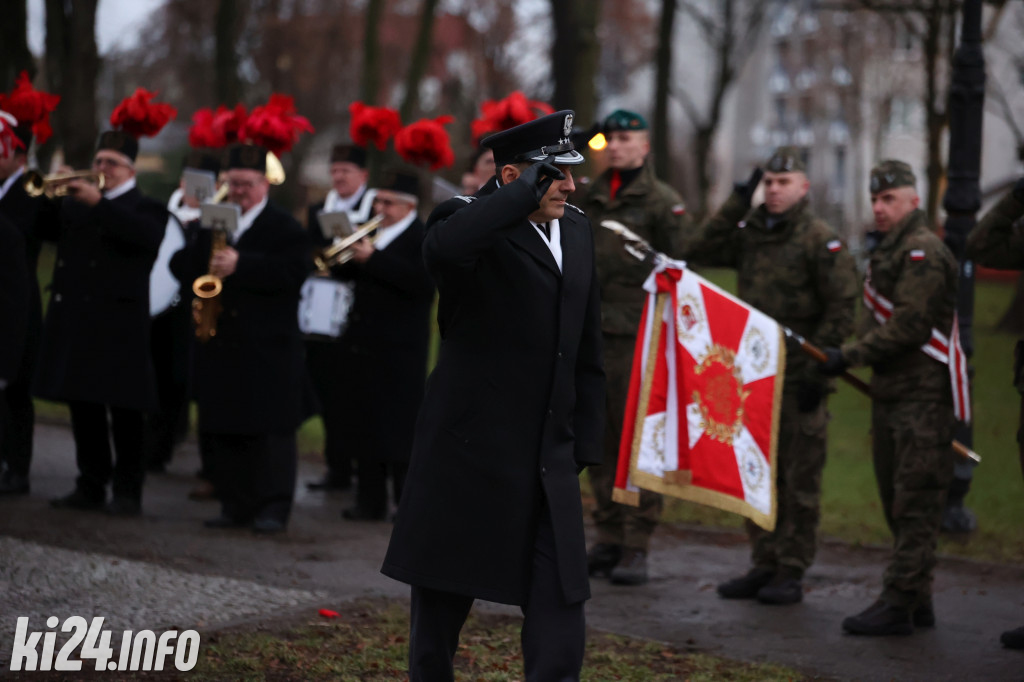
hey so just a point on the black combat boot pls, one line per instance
(746, 586)
(602, 558)
(631, 569)
(784, 588)
(881, 618)
(924, 615)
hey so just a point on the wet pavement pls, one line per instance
(165, 570)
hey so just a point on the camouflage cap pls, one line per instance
(786, 160)
(890, 174)
(622, 119)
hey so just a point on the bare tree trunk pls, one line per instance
(72, 67)
(563, 53)
(228, 84)
(662, 77)
(371, 53)
(588, 58)
(420, 58)
(935, 114)
(15, 56)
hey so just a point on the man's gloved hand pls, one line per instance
(809, 395)
(539, 177)
(1018, 190)
(745, 190)
(835, 364)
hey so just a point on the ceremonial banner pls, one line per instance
(702, 412)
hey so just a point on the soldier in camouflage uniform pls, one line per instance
(793, 267)
(630, 193)
(914, 276)
(998, 242)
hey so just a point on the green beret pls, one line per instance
(786, 160)
(620, 119)
(890, 174)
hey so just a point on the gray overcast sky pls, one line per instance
(118, 22)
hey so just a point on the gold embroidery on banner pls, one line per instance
(722, 402)
(757, 348)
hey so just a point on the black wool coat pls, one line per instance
(95, 342)
(14, 301)
(250, 378)
(514, 407)
(382, 355)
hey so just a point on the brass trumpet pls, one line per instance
(56, 184)
(341, 252)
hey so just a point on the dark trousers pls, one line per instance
(96, 462)
(169, 339)
(323, 362)
(372, 488)
(254, 474)
(553, 634)
(18, 425)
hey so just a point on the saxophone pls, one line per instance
(206, 306)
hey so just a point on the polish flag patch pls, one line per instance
(917, 254)
(834, 246)
(678, 209)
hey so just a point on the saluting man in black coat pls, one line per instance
(95, 344)
(513, 411)
(249, 377)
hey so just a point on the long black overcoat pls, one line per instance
(382, 355)
(513, 408)
(14, 301)
(250, 378)
(95, 342)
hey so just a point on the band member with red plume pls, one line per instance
(95, 345)
(29, 110)
(250, 377)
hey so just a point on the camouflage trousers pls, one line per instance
(913, 467)
(619, 524)
(801, 459)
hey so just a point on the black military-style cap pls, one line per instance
(890, 174)
(203, 159)
(536, 140)
(623, 119)
(786, 160)
(119, 141)
(247, 156)
(348, 153)
(401, 182)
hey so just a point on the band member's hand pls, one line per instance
(224, 262)
(84, 192)
(190, 201)
(362, 250)
(745, 190)
(835, 364)
(540, 175)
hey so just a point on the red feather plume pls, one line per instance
(426, 143)
(30, 106)
(275, 125)
(203, 133)
(8, 140)
(372, 124)
(502, 114)
(138, 116)
(228, 123)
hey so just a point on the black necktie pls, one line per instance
(544, 228)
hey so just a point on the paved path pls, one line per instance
(164, 569)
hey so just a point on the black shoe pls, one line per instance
(357, 513)
(781, 591)
(602, 558)
(1013, 639)
(958, 520)
(123, 506)
(13, 484)
(746, 586)
(76, 499)
(632, 569)
(924, 615)
(223, 521)
(268, 526)
(880, 619)
(328, 483)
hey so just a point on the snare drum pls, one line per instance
(324, 306)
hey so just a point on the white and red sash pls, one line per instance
(945, 349)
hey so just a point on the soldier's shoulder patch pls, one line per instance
(916, 255)
(678, 209)
(467, 199)
(834, 246)
(575, 208)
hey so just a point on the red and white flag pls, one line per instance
(702, 412)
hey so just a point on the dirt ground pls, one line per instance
(339, 560)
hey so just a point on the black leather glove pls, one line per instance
(809, 395)
(539, 177)
(1018, 190)
(745, 190)
(835, 364)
